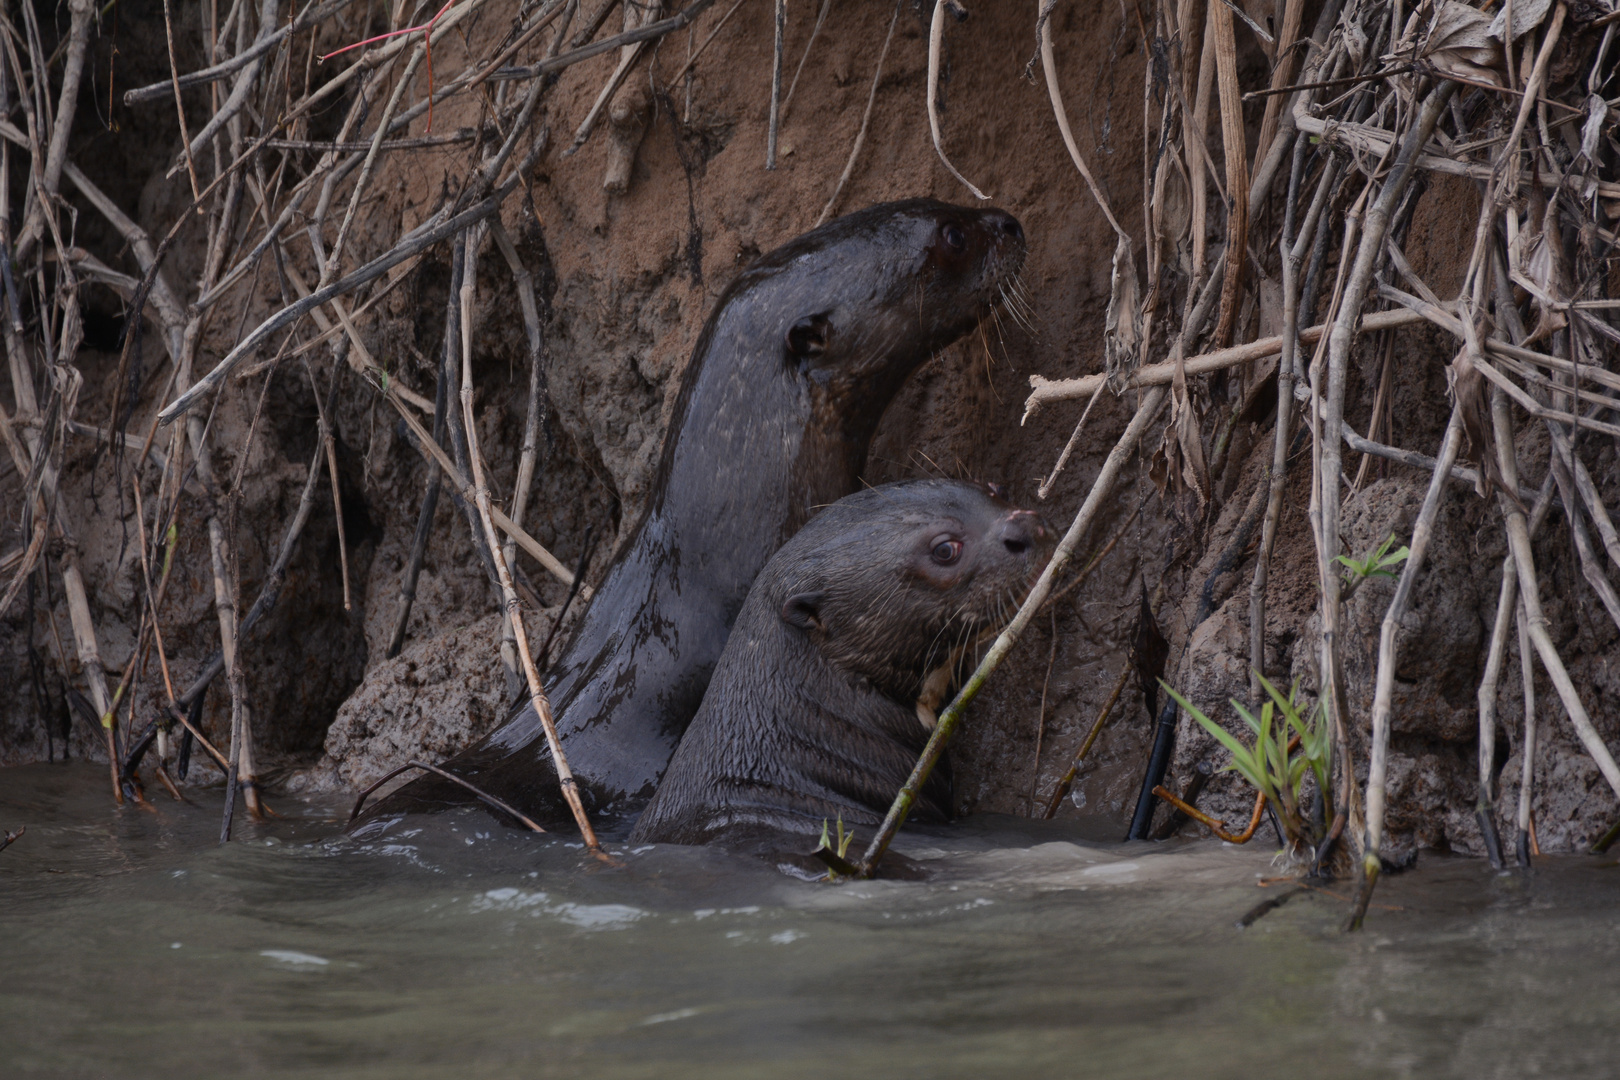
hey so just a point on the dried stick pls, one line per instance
(1068, 447)
(1292, 250)
(1040, 718)
(1328, 454)
(450, 361)
(1049, 67)
(936, 38)
(1195, 125)
(1506, 609)
(1065, 784)
(627, 60)
(329, 444)
(1293, 17)
(270, 591)
(514, 612)
(331, 261)
(73, 587)
(1527, 749)
(1361, 139)
(815, 31)
(1522, 398)
(553, 9)
(459, 332)
(680, 73)
(82, 12)
(594, 22)
(179, 106)
(1491, 206)
(307, 18)
(1384, 685)
(241, 750)
(1215, 825)
(538, 392)
(1507, 602)
(1152, 401)
(1162, 374)
(424, 523)
(239, 93)
(866, 118)
(1591, 564)
(29, 557)
(1530, 596)
(369, 272)
(776, 89)
(444, 774)
(436, 455)
(1580, 481)
(1236, 154)
(597, 48)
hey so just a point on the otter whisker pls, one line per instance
(1017, 306)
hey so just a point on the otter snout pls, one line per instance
(1005, 224)
(1022, 532)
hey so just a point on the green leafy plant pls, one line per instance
(1289, 740)
(1376, 563)
(844, 838)
(835, 855)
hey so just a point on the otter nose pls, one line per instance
(1006, 224)
(1023, 530)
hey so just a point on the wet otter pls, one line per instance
(786, 385)
(811, 715)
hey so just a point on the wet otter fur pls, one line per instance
(812, 712)
(787, 383)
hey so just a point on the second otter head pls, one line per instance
(858, 303)
(887, 583)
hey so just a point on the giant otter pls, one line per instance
(785, 387)
(812, 712)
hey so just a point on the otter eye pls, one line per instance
(946, 551)
(954, 237)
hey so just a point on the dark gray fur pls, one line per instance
(811, 715)
(787, 383)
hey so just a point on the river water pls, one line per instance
(133, 945)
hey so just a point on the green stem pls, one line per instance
(907, 796)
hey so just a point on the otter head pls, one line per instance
(889, 582)
(857, 304)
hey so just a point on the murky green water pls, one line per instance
(132, 945)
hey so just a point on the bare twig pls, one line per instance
(596, 48)
(1162, 374)
(815, 32)
(936, 38)
(514, 612)
(866, 117)
(1384, 684)
(1064, 785)
(482, 796)
(776, 89)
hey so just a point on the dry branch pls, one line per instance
(1162, 374)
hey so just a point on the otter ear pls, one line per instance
(803, 610)
(807, 339)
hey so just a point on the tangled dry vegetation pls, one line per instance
(1269, 242)
(1510, 96)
